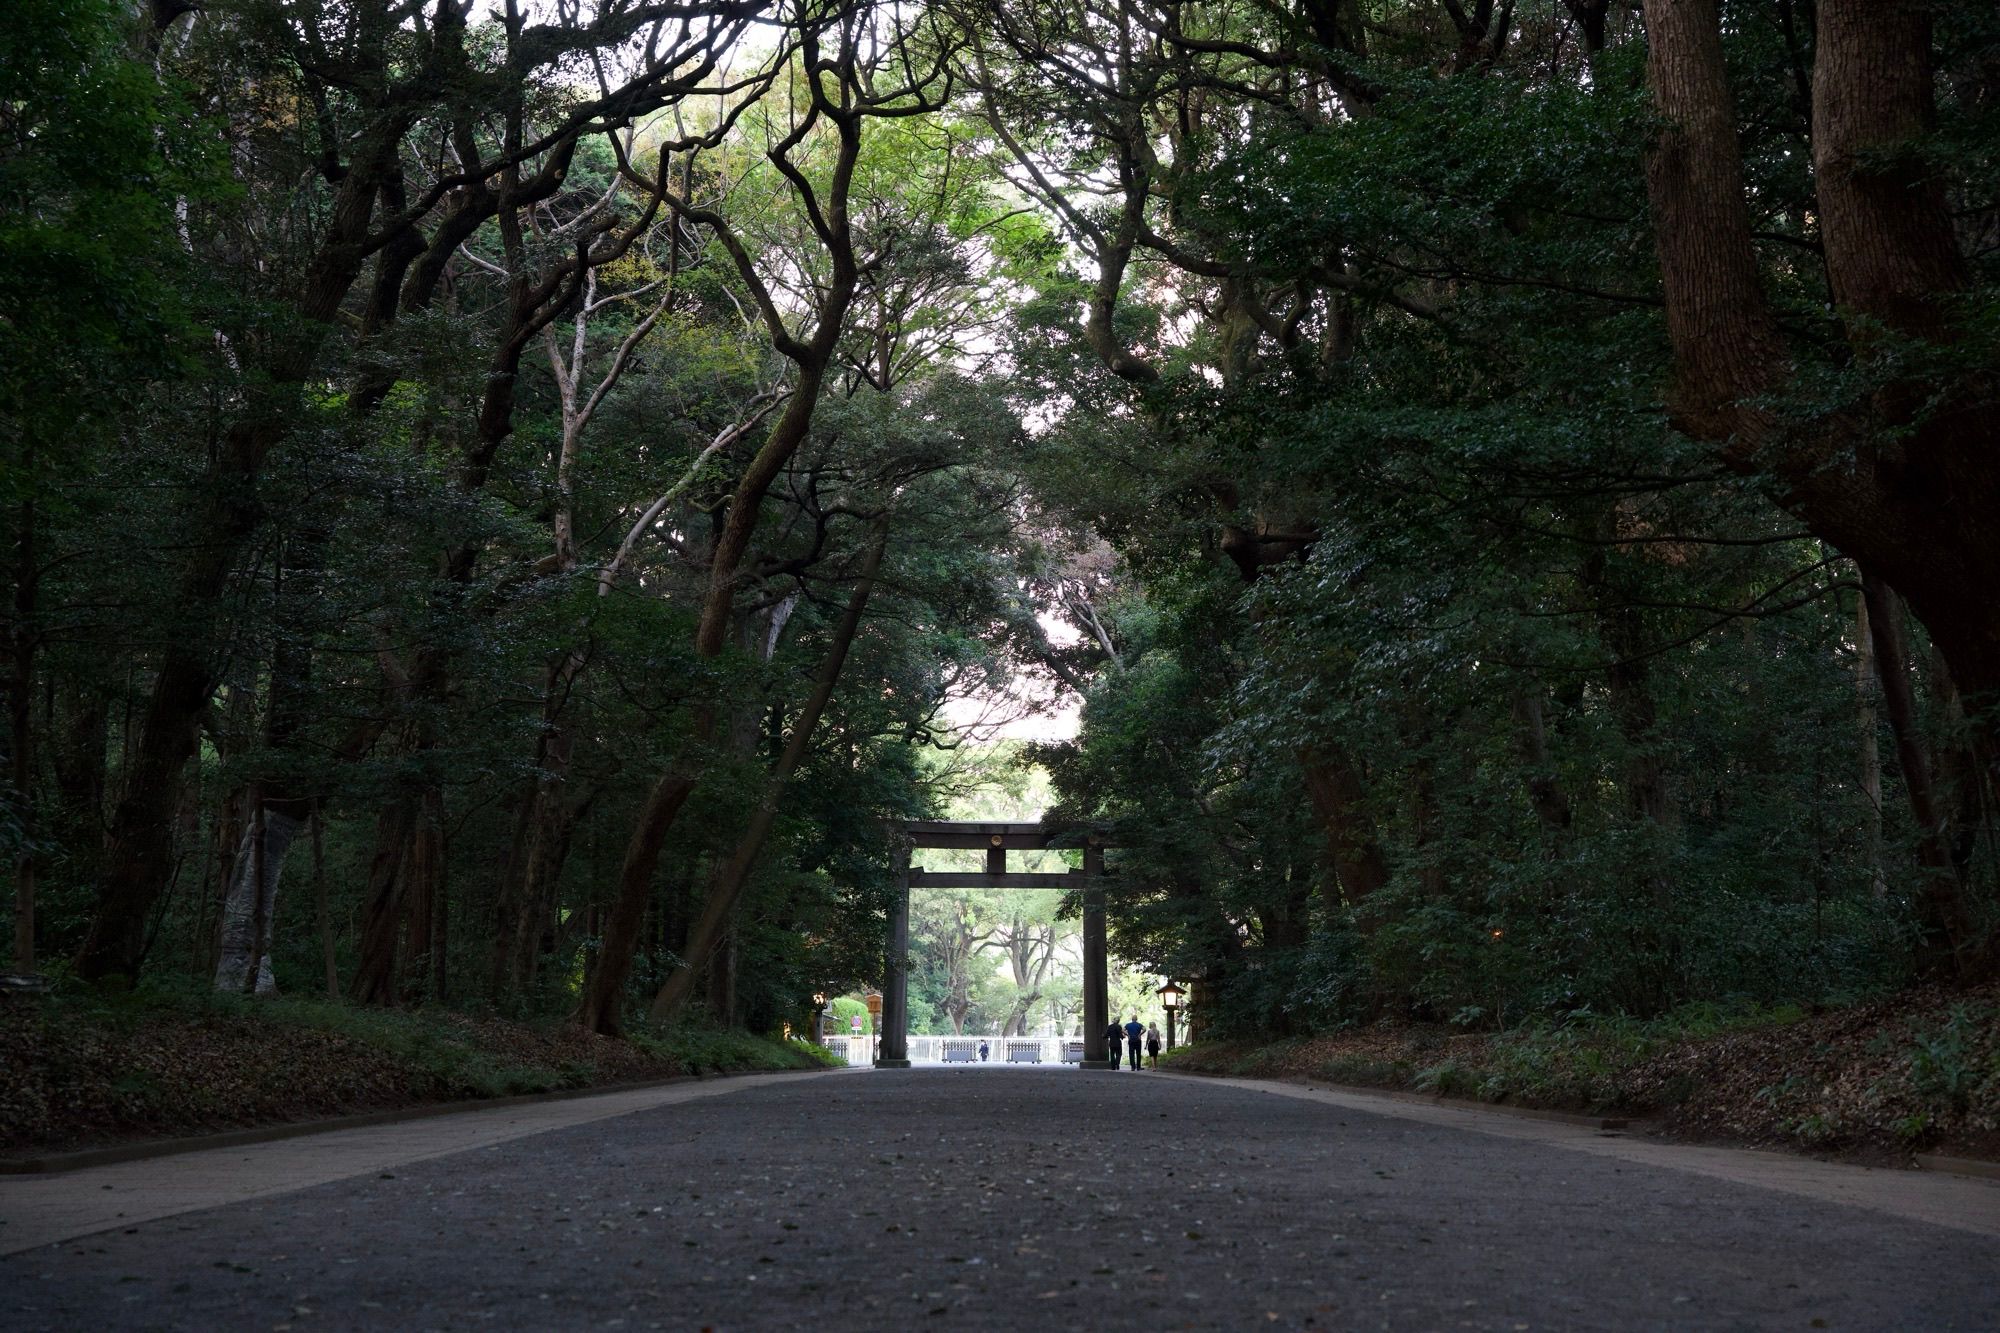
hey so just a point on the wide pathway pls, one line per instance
(1002, 1198)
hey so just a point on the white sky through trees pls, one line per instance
(1032, 709)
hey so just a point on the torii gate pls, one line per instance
(996, 840)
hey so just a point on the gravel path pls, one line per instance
(1015, 1198)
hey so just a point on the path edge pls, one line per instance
(59, 1163)
(1957, 1166)
(1939, 1163)
(1577, 1118)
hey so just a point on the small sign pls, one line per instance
(854, 1023)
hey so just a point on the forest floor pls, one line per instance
(1878, 1081)
(83, 1070)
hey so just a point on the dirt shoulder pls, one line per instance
(80, 1072)
(1915, 1072)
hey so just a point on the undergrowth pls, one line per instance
(1583, 1061)
(88, 1064)
(1898, 1073)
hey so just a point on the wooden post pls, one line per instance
(894, 1051)
(1096, 964)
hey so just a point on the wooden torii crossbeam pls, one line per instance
(996, 840)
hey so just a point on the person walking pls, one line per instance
(1112, 1036)
(1134, 1034)
(1153, 1043)
(984, 1050)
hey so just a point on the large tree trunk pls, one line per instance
(323, 909)
(1866, 691)
(251, 901)
(139, 850)
(1726, 348)
(1590, 16)
(1353, 845)
(1654, 980)
(728, 887)
(375, 973)
(538, 922)
(1545, 793)
(541, 836)
(602, 1006)
(603, 1001)
(283, 800)
(1285, 920)
(722, 980)
(404, 920)
(403, 927)
(1029, 952)
(1891, 251)
(1895, 266)
(1963, 790)
(140, 847)
(1629, 684)
(1908, 484)
(1941, 906)
(429, 901)
(418, 886)
(25, 636)
(212, 882)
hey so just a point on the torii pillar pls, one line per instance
(1096, 960)
(893, 1048)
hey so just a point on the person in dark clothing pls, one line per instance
(1135, 1035)
(1112, 1036)
(984, 1050)
(1153, 1045)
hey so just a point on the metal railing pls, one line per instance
(965, 1050)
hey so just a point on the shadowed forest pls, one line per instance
(500, 497)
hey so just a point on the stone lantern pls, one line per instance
(1170, 1000)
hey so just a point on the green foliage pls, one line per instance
(705, 1048)
(182, 1058)
(1598, 697)
(1585, 1060)
(1428, 673)
(93, 153)
(844, 1009)
(1954, 1064)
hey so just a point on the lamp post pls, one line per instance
(1170, 1000)
(819, 1017)
(874, 1001)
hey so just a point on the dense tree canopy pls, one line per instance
(498, 500)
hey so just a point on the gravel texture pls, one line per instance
(996, 1198)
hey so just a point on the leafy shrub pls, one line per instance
(1947, 1065)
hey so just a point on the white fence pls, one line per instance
(999, 1050)
(965, 1050)
(854, 1050)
